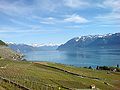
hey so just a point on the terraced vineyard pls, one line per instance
(20, 75)
(7, 53)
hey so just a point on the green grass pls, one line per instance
(38, 76)
(112, 78)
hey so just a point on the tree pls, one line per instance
(90, 67)
(117, 65)
(97, 67)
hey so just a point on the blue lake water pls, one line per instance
(83, 57)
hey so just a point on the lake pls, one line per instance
(82, 57)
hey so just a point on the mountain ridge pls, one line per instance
(92, 41)
(23, 48)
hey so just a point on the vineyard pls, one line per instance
(21, 75)
(7, 53)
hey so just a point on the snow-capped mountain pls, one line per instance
(107, 40)
(41, 45)
(34, 47)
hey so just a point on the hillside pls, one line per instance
(2, 43)
(92, 41)
(20, 75)
(7, 53)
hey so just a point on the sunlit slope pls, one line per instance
(7, 53)
(19, 75)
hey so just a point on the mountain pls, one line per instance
(7, 53)
(92, 41)
(44, 47)
(21, 47)
(28, 48)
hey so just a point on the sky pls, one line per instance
(56, 21)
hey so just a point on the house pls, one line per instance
(114, 70)
(92, 86)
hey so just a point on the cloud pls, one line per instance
(75, 19)
(52, 12)
(113, 16)
(30, 29)
(49, 20)
(23, 8)
(15, 8)
(18, 22)
(73, 27)
(45, 20)
(76, 3)
(110, 16)
(13, 30)
(113, 4)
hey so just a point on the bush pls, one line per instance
(90, 67)
(108, 68)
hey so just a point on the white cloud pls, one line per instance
(75, 19)
(17, 22)
(76, 3)
(73, 27)
(110, 16)
(113, 17)
(30, 29)
(15, 8)
(14, 30)
(19, 7)
(45, 20)
(46, 5)
(49, 20)
(114, 4)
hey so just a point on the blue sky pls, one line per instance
(56, 21)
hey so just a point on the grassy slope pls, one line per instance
(113, 78)
(40, 77)
(7, 53)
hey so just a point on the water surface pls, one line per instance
(82, 57)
